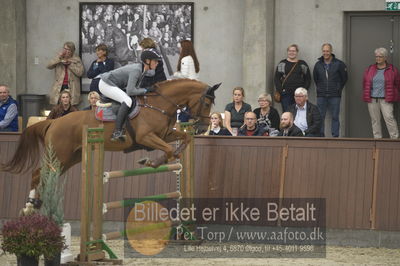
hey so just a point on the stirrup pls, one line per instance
(118, 135)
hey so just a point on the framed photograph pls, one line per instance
(121, 26)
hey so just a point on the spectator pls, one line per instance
(287, 126)
(63, 107)
(137, 25)
(93, 97)
(291, 73)
(216, 127)
(306, 115)
(145, 33)
(68, 70)
(155, 32)
(98, 29)
(381, 85)
(166, 29)
(160, 21)
(182, 26)
(250, 127)
(8, 111)
(188, 65)
(133, 45)
(330, 76)
(101, 65)
(148, 43)
(267, 116)
(166, 40)
(234, 111)
(91, 36)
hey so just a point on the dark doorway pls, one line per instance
(367, 31)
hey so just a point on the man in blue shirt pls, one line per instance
(306, 115)
(8, 111)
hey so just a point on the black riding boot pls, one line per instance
(118, 133)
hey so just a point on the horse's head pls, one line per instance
(200, 111)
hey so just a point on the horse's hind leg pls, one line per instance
(33, 201)
(35, 178)
(34, 197)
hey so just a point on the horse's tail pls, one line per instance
(27, 154)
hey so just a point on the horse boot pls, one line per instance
(118, 134)
(36, 203)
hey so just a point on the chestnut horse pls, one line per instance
(153, 127)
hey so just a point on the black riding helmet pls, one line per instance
(151, 54)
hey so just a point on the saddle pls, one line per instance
(106, 109)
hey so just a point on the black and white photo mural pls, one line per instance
(121, 26)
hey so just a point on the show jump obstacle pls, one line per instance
(93, 240)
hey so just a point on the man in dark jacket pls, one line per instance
(250, 127)
(287, 126)
(306, 115)
(330, 76)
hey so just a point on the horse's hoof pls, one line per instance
(37, 203)
(119, 139)
(143, 161)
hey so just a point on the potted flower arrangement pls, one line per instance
(29, 237)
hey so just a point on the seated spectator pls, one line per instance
(234, 111)
(8, 111)
(306, 115)
(101, 65)
(267, 116)
(93, 97)
(63, 107)
(287, 126)
(216, 127)
(250, 127)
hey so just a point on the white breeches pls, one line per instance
(114, 93)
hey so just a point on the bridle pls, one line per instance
(197, 117)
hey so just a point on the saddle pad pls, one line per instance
(106, 113)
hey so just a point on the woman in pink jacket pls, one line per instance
(380, 90)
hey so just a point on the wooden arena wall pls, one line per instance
(360, 178)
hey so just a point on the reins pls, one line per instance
(198, 115)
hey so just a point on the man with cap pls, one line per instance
(122, 83)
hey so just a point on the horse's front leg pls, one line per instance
(153, 141)
(179, 135)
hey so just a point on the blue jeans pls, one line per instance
(333, 105)
(287, 99)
